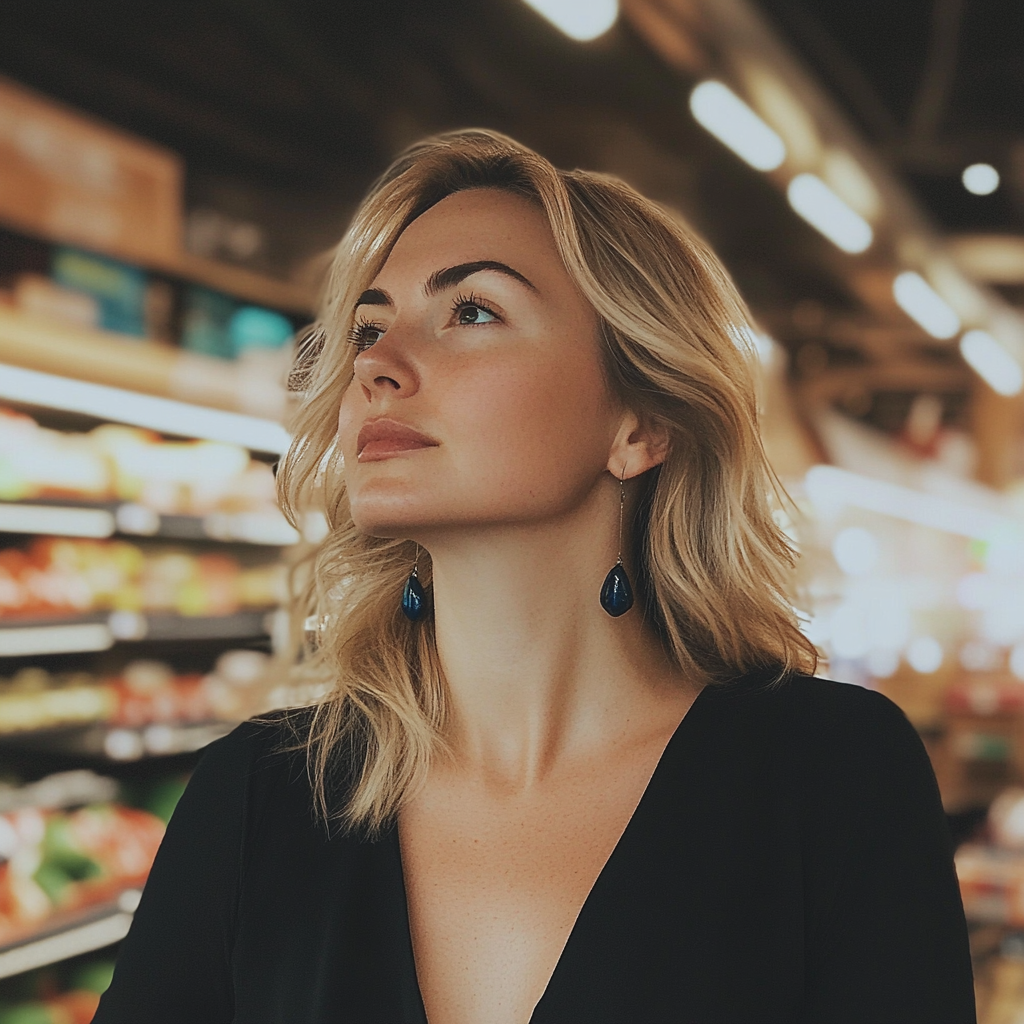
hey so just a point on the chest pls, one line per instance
(495, 884)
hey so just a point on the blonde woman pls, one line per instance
(572, 765)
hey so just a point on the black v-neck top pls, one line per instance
(789, 861)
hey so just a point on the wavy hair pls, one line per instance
(712, 566)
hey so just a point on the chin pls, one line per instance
(389, 517)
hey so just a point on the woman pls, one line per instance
(572, 765)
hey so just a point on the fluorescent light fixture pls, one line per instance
(718, 109)
(581, 20)
(19, 641)
(981, 179)
(916, 297)
(992, 363)
(825, 211)
(55, 521)
(831, 489)
(164, 415)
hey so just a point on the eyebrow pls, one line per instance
(374, 297)
(441, 280)
(449, 277)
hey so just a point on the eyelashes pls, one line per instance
(465, 312)
(362, 331)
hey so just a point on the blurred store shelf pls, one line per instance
(100, 631)
(116, 743)
(110, 377)
(107, 519)
(71, 935)
(241, 283)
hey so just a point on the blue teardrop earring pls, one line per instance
(414, 600)
(616, 592)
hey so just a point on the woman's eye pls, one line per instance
(365, 335)
(469, 313)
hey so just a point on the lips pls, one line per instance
(383, 438)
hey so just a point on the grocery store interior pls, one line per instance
(171, 177)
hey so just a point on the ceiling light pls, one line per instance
(981, 179)
(164, 415)
(996, 367)
(831, 489)
(718, 109)
(581, 20)
(824, 210)
(916, 297)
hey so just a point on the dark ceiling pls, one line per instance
(935, 85)
(284, 111)
(303, 101)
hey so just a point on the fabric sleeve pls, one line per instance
(888, 942)
(175, 963)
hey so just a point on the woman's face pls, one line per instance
(478, 396)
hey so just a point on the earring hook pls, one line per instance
(622, 503)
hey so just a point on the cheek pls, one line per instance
(534, 430)
(347, 422)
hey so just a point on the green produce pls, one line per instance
(94, 977)
(27, 1013)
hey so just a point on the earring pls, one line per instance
(616, 592)
(414, 601)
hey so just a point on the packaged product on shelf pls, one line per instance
(33, 699)
(35, 462)
(992, 873)
(230, 688)
(120, 463)
(40, 296)
(118, 289)
(59, 577)
(146, 692)
(216, 325)
(205, 321)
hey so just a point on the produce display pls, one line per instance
(120, 463)
(55, 861)
(44, 1000)
(70, 576)
(145, 693)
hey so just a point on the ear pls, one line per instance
(640, 445)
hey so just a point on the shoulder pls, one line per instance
(257, 753)
(796, 703)
(819, 727)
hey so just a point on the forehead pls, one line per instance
(477, 224)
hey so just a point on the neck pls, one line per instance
(536, 669)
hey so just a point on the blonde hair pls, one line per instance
(711, 564)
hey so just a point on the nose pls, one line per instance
(384, 369)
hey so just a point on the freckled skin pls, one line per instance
(559, 713)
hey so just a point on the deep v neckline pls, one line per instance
(621, 843)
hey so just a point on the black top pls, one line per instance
(789, 861)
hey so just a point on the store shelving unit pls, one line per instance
(100, 631)
(93, 928)
(107, 519)
(72, 377)
(101, 741)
